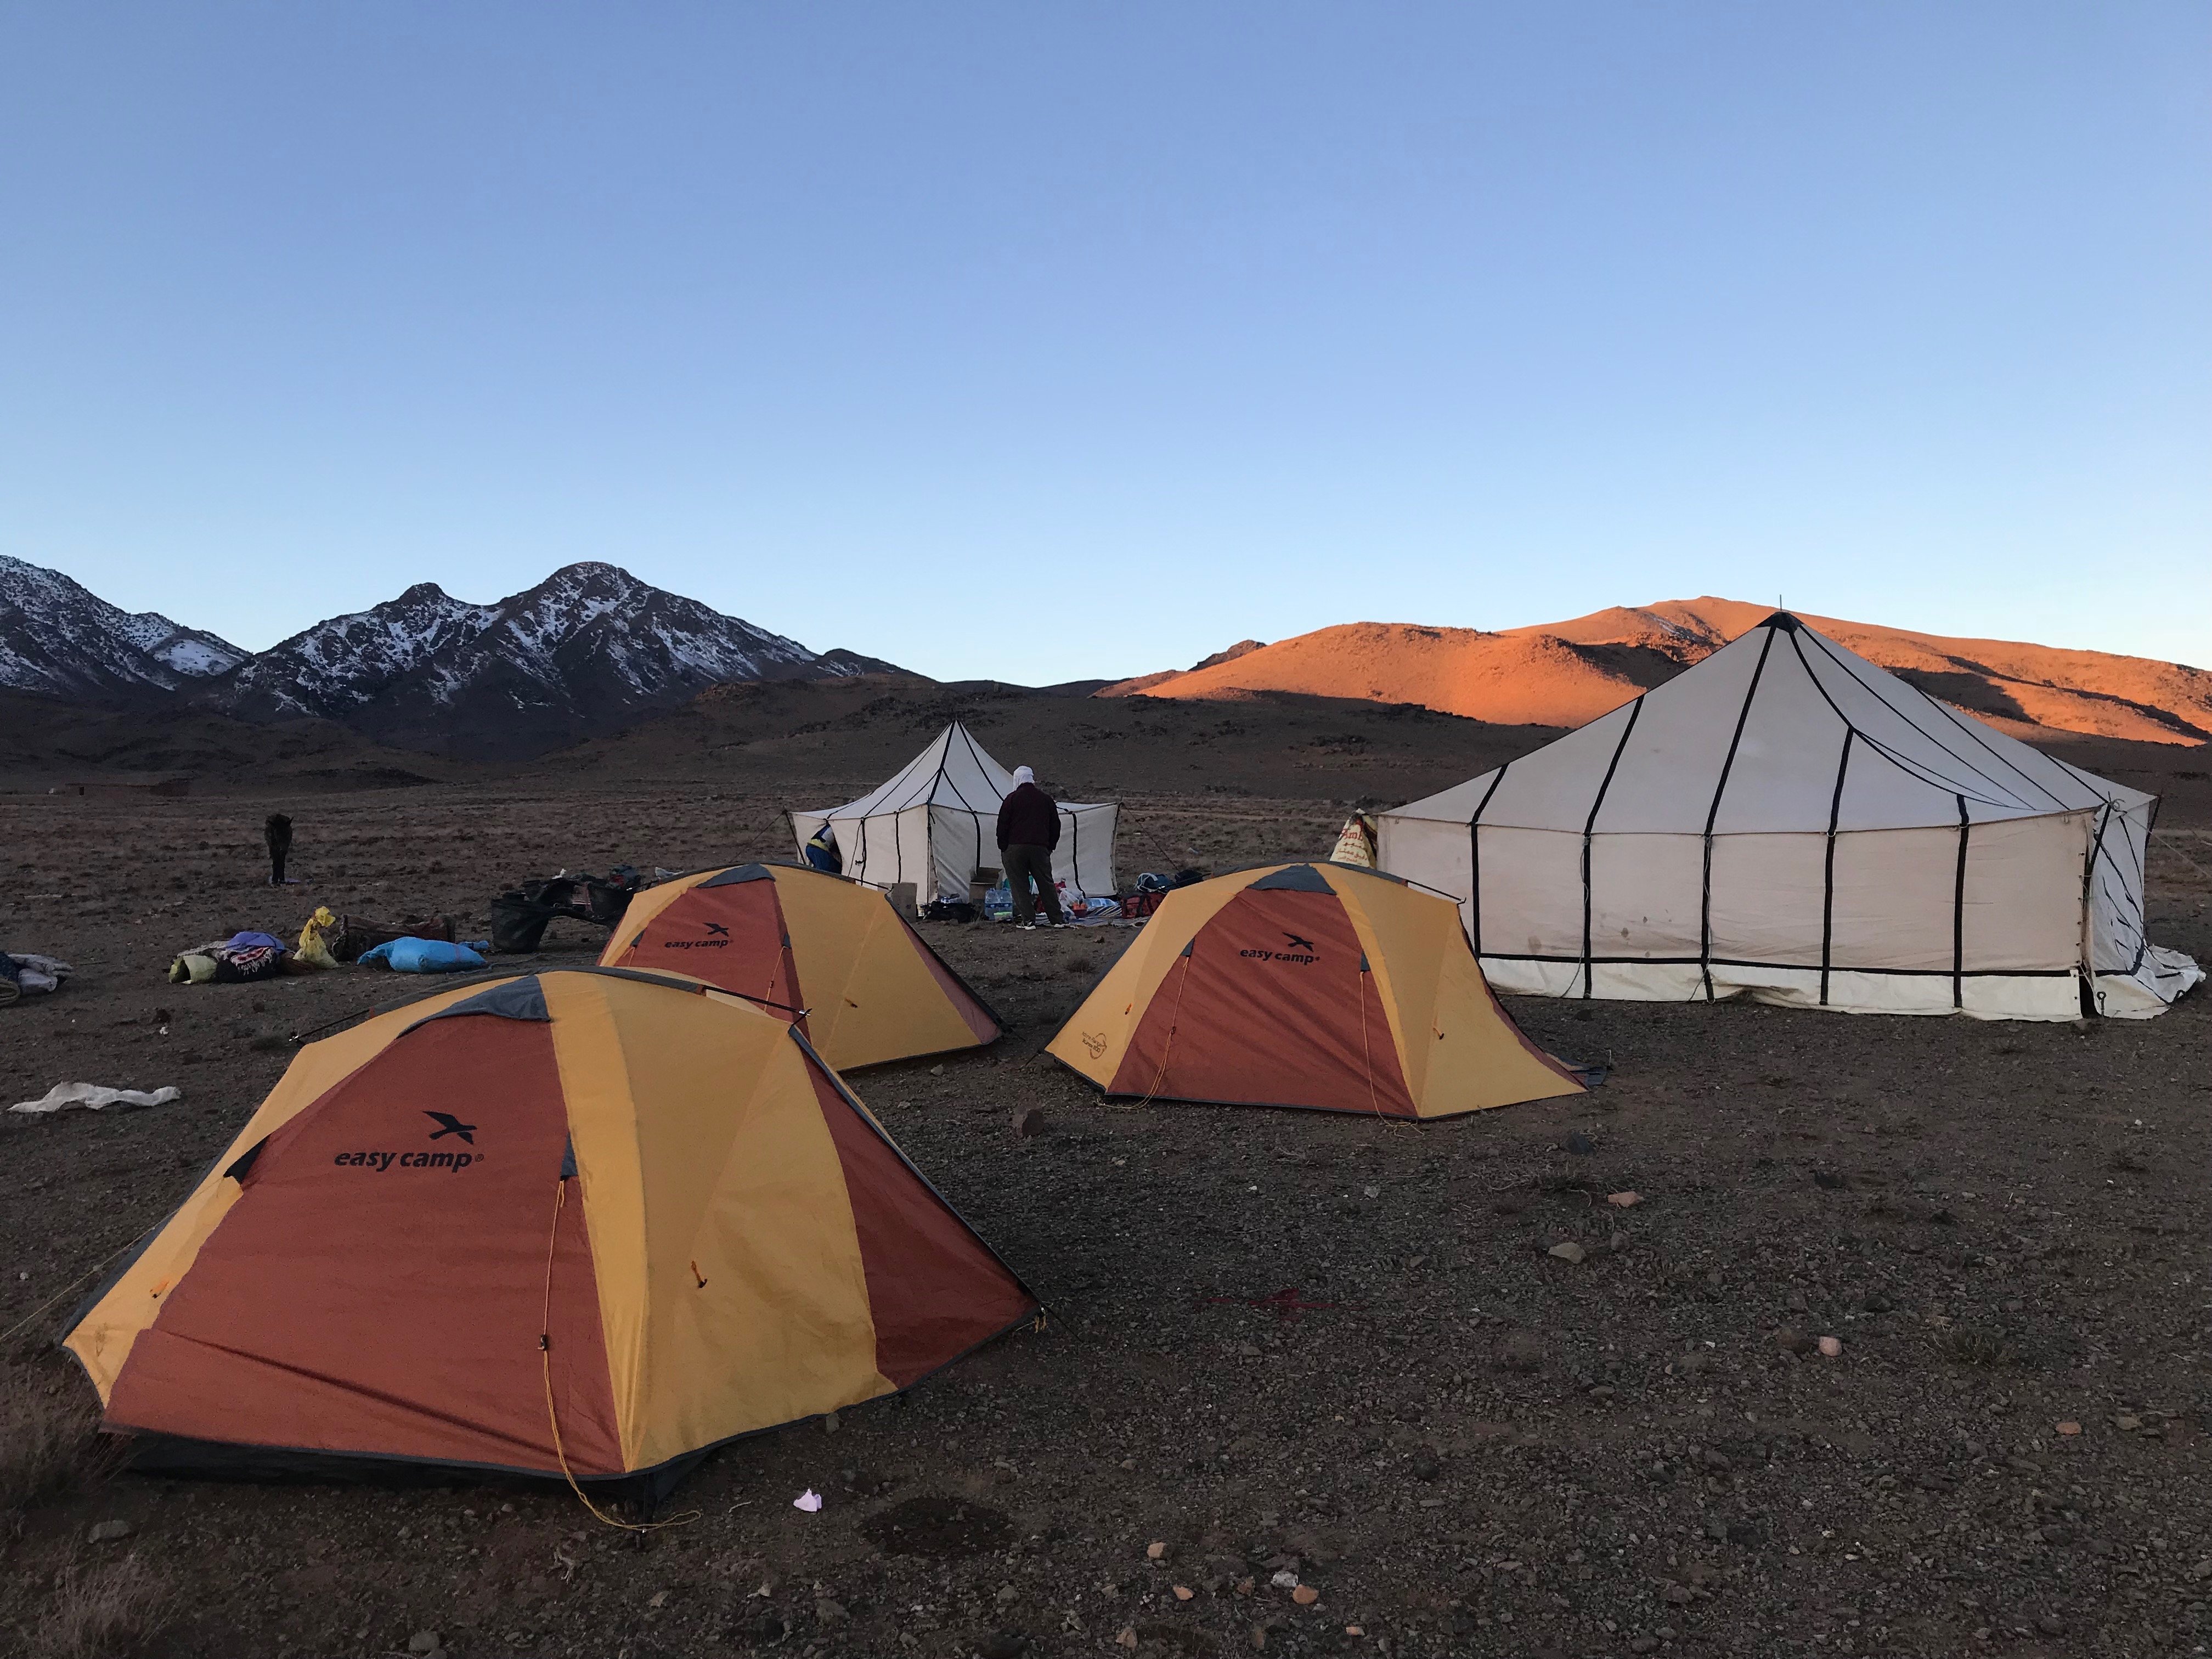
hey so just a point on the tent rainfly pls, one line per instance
(937, 823)
(642, 1219)
(1787, 821)
(1327, 986)
(825, 952)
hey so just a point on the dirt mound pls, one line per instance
(1566, 673)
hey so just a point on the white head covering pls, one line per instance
(1023, 775)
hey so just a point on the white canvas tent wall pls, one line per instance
(937, 823)
(1787, 821)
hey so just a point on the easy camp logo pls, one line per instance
(448, 1126)
(1302, 951)
(717, 938)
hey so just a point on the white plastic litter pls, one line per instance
(93, 1097)
(809, 1500)
(1285, 1580)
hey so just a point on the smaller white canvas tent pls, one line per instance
(937, 823)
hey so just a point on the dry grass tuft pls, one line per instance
(103, 1609)
(1976, 1348)
(46, 1441)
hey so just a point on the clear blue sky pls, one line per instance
(1048, 341)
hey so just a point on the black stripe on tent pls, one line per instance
(1874, 692)
(1828, 868)
(1972, 729)
(975, 817)
(1474, 860)
(2131, 886)
(2128, 908)
(1713, 812)
(1958, 914)
(1953, 715)
(2088, 915)
(1789, 967)
(1912, 770)
(1589, 828)
(2142, 925)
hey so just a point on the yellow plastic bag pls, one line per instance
(194, 968)
(315, 939)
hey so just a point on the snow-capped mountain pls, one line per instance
(60, 640)
(583, 654)
(339, 666)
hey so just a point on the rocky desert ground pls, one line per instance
(1282, 1348)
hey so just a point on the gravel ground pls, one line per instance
(1280, 1344)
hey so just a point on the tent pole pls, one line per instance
(1474, 863)
(2089, 914)
(1828, 868)
(1712, 816)
(1590, 830)
(1958, 913)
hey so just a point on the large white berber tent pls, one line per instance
(1785, 821)
(937, 823)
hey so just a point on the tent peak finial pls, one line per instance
(1783, 620)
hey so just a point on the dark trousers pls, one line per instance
(1023, 866)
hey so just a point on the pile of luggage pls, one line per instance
(520, 916)
(1153, 887)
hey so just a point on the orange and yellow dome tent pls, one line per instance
(796, 940)
(587, 1222)
(1324, 985)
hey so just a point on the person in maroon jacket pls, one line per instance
(1029, 828)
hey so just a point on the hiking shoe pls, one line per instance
(1025, 928)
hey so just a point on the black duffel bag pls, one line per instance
(518, 922)
(604, 901)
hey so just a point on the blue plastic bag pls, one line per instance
(424, 956)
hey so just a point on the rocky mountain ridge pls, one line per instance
(588, 651)
(59, 639)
